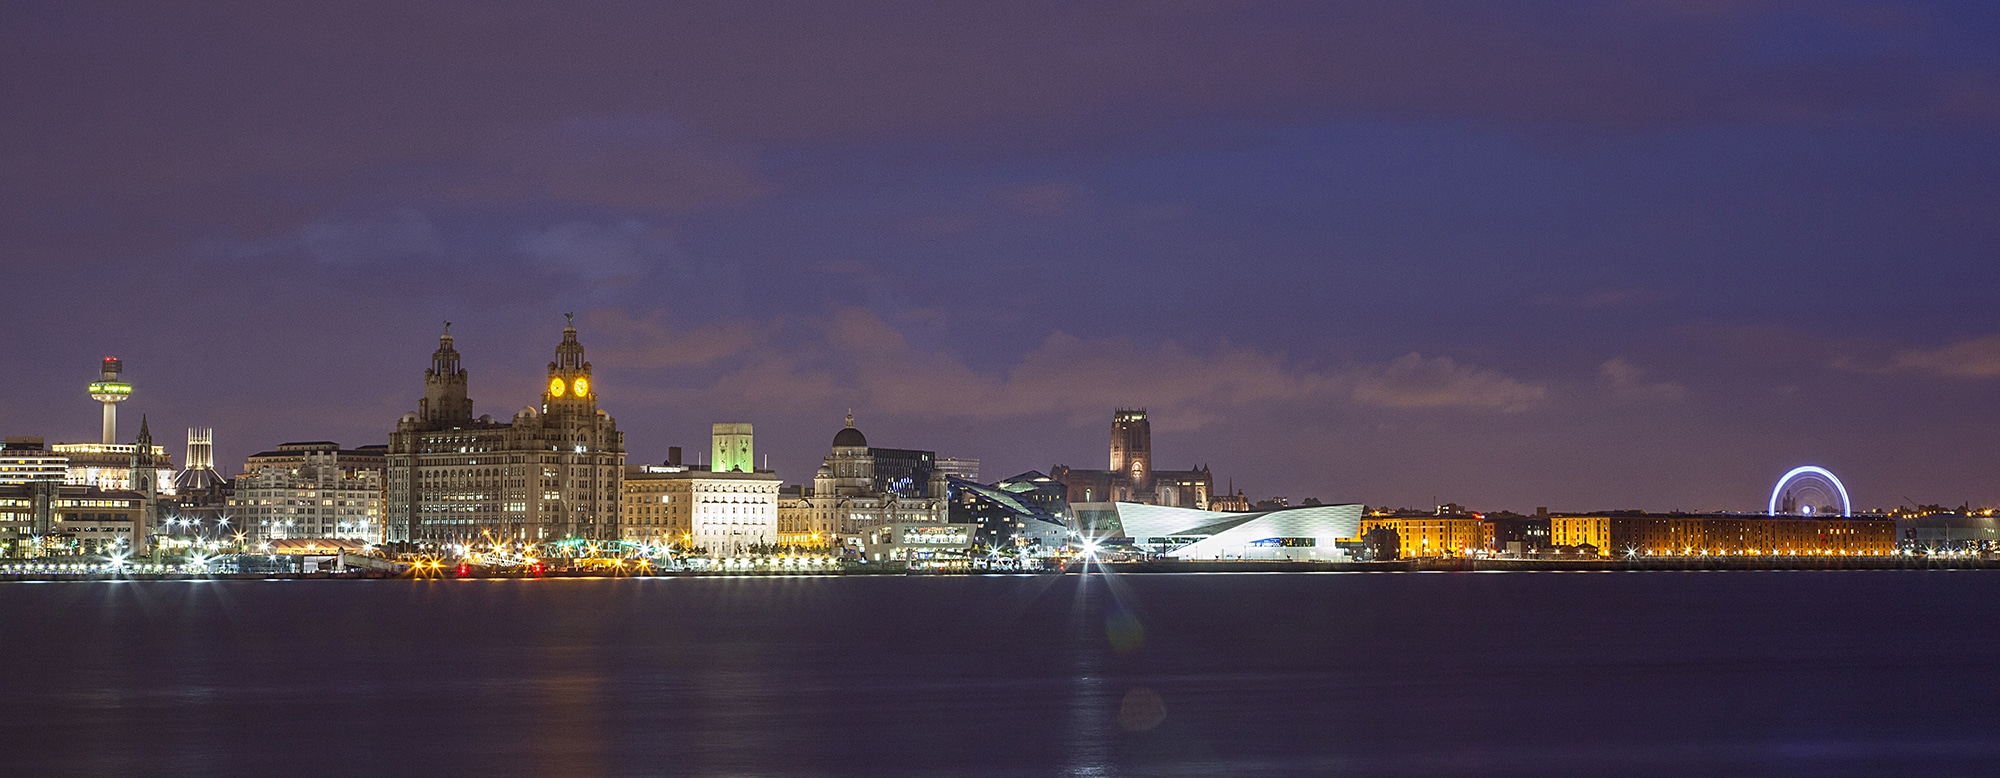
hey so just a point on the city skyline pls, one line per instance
(1120, 444)
(1504, 257)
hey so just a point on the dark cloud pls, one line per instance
(1609, 254)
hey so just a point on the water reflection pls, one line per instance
(1717, 673)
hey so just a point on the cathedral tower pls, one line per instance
(1132, 448)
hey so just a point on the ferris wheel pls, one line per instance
(1809, 491)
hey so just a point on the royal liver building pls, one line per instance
(552, 473)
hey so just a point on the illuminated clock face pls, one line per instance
(555, 387)
(582, 386)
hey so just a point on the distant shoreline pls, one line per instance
(1431, 565)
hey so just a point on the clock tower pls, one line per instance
(569, 389)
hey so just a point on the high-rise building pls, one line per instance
(903, 471)
(555, 472)
(1132, 476)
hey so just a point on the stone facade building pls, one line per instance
(551, 473)
(726, 508)
(847, 496)
(323, 497)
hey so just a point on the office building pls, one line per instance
(292, 456)
(26, 460)
(315, 495)
(959, 467)
(723, 509)
(555, 472)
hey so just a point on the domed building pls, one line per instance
(857, 487)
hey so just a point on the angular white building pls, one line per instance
(1306, 532)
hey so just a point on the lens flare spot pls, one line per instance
(1124, 631)
(1142, 710)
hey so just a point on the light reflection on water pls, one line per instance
(1525, 674)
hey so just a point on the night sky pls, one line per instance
(1588, 256)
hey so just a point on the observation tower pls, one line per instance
(111, 391)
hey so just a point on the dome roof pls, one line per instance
(850, 437)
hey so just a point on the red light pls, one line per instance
(464, 570)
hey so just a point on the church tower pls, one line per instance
(1132, 448)
(569, 390)
(445, 404)
(145, 481)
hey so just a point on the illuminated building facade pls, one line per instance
(920, 544)
(849, 493)
(1430, 536)
(1677, 534)
(724, 509)
(1302, 533)
(44, 518)
(1132, 476)
(320, 497)
(110, 466)
(26, 460)
(201, 496)
(291, 456)
(99, 521)
(733, 448)
(555, 472)
(1950, 531)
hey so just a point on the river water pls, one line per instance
(1656, 673)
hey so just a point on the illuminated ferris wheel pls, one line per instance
(1810, 491)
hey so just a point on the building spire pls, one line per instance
(850, 418)
(569, 354)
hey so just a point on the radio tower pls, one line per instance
(111, 392)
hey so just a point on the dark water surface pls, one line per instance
(1685, 673)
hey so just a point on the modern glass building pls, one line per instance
(1305, 532)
